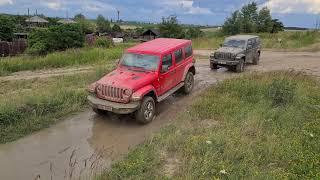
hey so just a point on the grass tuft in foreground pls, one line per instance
(262, 126)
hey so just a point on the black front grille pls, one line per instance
(223, 55)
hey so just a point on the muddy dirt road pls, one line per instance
(86, 143)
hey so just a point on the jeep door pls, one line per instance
(167, 74)
(183, 57)
(250, 51)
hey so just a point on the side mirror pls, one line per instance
(164, 68)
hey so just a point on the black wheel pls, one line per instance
(98, 111)
(256, 59)
(147, 110)
(188, 83)
(240, 66)
(213, 66)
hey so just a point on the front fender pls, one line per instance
(139, 94)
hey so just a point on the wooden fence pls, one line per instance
(15, 47)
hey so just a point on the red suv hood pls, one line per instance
(124, 78)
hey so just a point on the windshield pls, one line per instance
(234, 43)
(143, 61)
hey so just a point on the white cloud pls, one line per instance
(188, 6)
(53, 4)
(5, 2)
(97, 6)
(293, 6)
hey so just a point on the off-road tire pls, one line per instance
(98, 111)
(240, 67)
(188, 83)
(256, 59)
(147, 110)
(213, 66)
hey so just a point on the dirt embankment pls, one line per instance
(75, 144)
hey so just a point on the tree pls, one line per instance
(78, 17)
(249, 20)
(170, 28)
(264, 23)
(6, 28)
(277, 26)
(193, 32)
(116, 28)
(248, 17)
(103, 25)
(232, 24)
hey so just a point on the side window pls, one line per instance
(258, 41)
(254, 44)
(188, 51)
(167, 60)
(178, 55)
(250, 44)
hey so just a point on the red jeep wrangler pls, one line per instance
(146, 74)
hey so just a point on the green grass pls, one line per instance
(30, 105)
(290, 40)
(71, 57)
(242, 128)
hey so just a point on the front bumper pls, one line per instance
(118, 108)
(224, 62)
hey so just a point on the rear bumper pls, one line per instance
(224, 62)
(118, 108)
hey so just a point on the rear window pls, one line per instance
(188, 51)
(178, 55)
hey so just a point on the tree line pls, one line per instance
(251, 20)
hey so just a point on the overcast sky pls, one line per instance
(302, 13)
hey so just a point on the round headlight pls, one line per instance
(127, 93)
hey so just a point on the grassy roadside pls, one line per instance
(290, 40)
(30, 105)
(71, 57)
(263, 126)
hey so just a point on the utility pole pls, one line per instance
(118, 15)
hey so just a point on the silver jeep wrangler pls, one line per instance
(236, 51)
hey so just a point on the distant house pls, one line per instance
(20, 35)
(150, 34)
(66, 21)
(37, 21)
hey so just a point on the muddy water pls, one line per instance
(86, 143)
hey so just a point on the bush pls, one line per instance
(6, 28)
(104, 42)
(61, 37)
(37, 48)
(282, 92)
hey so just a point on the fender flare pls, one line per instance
(240, 56)
(139, 94)
(186, 70)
